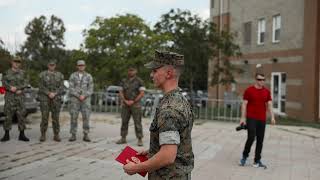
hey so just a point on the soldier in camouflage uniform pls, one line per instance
(170, 154)
(131, 93)
(50, 91)
(81, 89)
(14, 81)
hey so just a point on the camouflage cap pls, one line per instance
(162, 58)
(81, 62)
(52, 61)
(16, 59)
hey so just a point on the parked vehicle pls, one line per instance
(31, 103)
(112, 95)
(150, 101)
(2, 91)
(65, 97)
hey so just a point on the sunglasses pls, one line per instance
(260, 79)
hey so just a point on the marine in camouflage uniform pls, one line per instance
(14, 81)
(81, 89)
(132, 90)
(170, 153)
(51, 89)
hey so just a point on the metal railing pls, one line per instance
(217, 109)
(205, 109)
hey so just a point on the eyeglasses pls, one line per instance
(260, 79)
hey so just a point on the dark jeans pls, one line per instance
(255, 129)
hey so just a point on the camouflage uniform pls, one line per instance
(50, 82)
(14, 103)
(172, 125)
(131, 89)
(80, 86)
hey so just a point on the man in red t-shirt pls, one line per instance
(256, 100)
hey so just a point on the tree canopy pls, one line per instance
(199, 41)
(45, 41)
(115, 43)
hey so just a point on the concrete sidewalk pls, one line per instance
(291, 153)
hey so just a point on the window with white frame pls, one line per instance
(278, 92)
(247, 33)
(212, 4)
(276, 26)
(261, 30)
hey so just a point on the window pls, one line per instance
(212, 4)
(278, 92)
(276, 26)
(261, 30)
(247, 33)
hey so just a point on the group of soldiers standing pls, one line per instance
(50, 95)
(170, 152)
(51, 91)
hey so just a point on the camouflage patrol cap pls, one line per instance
(131, 68)
(162, 58)
(52, 61)
(81, 62)
(16, 59)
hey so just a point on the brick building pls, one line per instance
(283, 36)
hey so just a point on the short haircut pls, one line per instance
(259, 74)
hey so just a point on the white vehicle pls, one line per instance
(112, 95)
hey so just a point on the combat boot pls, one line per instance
(86, 137)
(140, 143)
(56, 137)
(122, 141)
(22, 137)
(73, 137)
(43, 137)
(6, 136)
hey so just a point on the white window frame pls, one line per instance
(276, 25)
(261, 30)
(281, 88)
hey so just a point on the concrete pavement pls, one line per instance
(291, 153)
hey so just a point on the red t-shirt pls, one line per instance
(257, 102)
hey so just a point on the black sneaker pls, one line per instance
(243, 161)
(259, 164)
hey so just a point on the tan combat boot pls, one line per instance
(72, 138)
(43, 137)
(56, 137)
(86, 138)
(140, 143)
(122, 141)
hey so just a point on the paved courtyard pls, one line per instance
(291, 153)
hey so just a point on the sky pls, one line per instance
(77, 15)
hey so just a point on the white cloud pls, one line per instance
(159, 2)
(87, 8)
(75, 27)
(204, 13)
(6, 3)
(13, 41)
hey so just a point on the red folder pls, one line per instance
(131, 154)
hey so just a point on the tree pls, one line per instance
(117, 42)
(199, 41)
(45, 41)
(5, 57)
